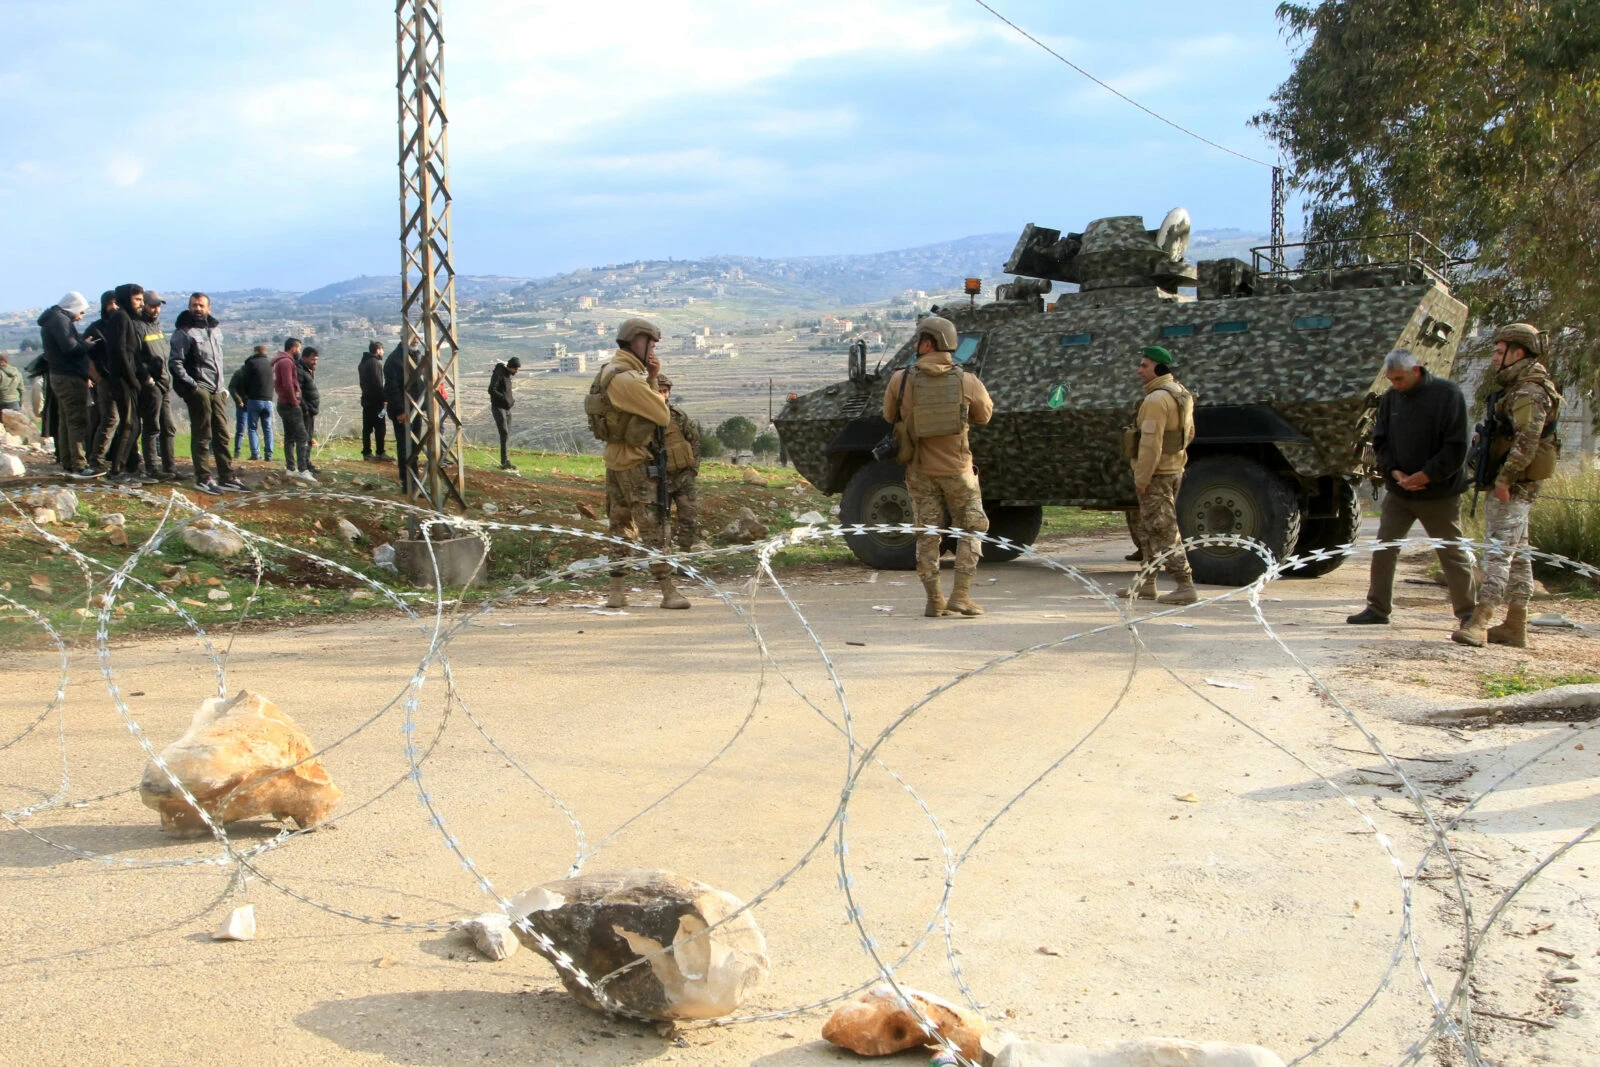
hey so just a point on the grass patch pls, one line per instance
(1065, 522)
(1520, 681)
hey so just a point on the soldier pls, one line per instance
(625, 410)
(931, 404)
(683, 467)
(1157, 444)
(1520, 420)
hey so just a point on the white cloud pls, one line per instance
(125, 170)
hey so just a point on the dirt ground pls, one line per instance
(1187, 870)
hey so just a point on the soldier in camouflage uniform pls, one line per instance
(624, 410)
(1525, 412)
(683, 468)
(931, 404)
(1158, 445)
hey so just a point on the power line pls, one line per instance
(1118, 94)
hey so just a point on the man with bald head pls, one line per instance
(1420, 437)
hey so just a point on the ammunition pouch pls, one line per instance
(680, 456)
(607, 422)
(1172, 442)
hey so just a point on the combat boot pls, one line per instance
(1184, 594)
(960, 602)
(1474, 631)
(936, 605)
(1145, 590)
(1514, 631)
(618, 595)
(671, 599)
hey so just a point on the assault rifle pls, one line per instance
(1480, 462)
(658, 471)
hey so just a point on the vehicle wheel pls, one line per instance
(1020, 523)
(1235, 495)
(1332, 532)
(876, 495)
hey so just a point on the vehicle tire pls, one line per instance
(1020, 523)
(875, 495)
(1226, 494)
(1332, 532)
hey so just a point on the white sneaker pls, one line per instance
(307, 476)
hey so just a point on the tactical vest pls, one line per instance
(610, 423)
(939, 408)
(1543, 464)
(1172, 441)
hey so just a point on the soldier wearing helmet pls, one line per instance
(931, 404)
(1520, 418)
(683, 468)
(625, 410)
(1157, 446)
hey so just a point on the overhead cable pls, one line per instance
(1119, 94)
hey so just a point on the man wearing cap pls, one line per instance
(934, 402)
(67, 359)
(1523, 415)
(626, 411)
(155, 395)
(1420, 438)
(369, 372)
(195, 361)
(683, 468)
(1158, 446)
(500, 401)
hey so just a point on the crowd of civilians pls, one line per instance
(105, 395)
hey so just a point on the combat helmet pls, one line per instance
(941, 331)
(632, 328)
(1523, 334)
(663, 382)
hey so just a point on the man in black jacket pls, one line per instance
(99, 398)
(123, 333)
(66, 356)
(251, 388)
(500, 401)
(370, 374)
(310, 405)
(154, 406)
(1420, 437)
(395, 389)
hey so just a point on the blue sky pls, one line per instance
(234, 146)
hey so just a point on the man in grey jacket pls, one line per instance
(196, 365)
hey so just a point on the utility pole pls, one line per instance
(1278, 238)
(427, 277)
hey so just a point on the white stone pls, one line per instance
(15, 422)
(812, 518)
(240, 925)
(383, 555)
(209, 539)
(348, 530)
(11, 466)
(44, 516)
(1140, 1052)
(491, 932)
(116, 518)
(65, 502)
(490, 507)
(217, 594)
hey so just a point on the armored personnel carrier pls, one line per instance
(1284, 357)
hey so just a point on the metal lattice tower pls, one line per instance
(427, 277)
(1278, 238)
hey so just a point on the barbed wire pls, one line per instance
(450, 617)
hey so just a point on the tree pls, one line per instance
(1474, 121)
(766, 444)
(738, 433)
(711, 446)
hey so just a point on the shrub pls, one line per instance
(1569, 526)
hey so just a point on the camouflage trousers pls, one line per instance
(631, 513)
(1158, 525)
(1508, 573)
(685, 506)
(931, 496)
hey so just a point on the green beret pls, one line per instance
(1157, 354)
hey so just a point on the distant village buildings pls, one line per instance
(575, 363)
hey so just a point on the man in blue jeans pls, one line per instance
(251, 387)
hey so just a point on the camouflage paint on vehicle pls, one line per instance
(1284, 366)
